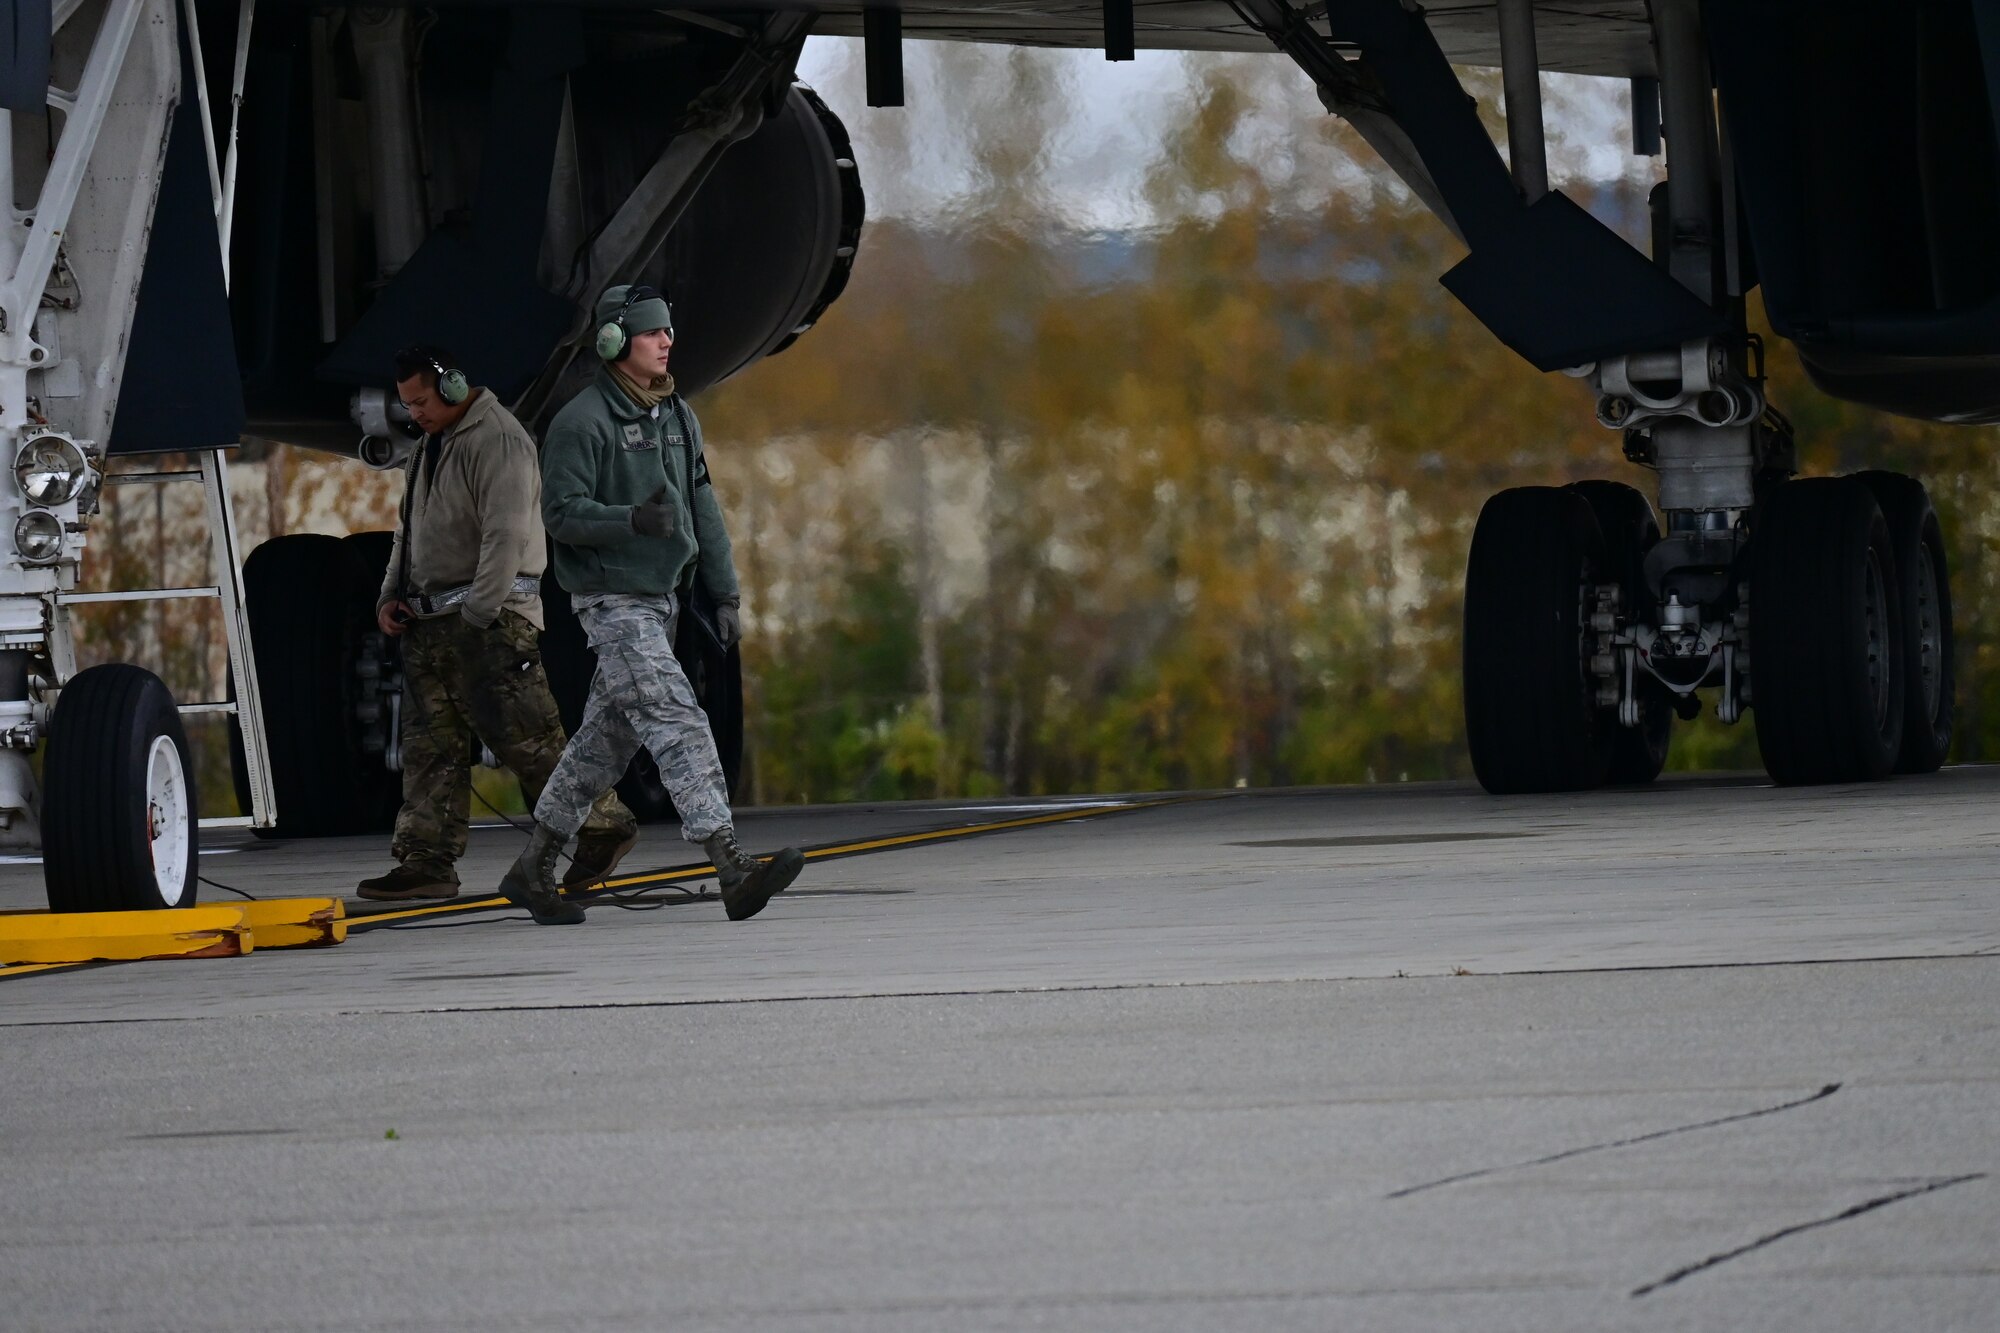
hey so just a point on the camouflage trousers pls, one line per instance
(462, 685)
(639, 696)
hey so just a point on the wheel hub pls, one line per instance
(169, 821)
(1930, 632)
(1875, 619)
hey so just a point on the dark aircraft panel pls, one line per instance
(1866, 156)
(471, 287)
(180, 387)
(1610, 38)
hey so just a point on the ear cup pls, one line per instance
(453, 388)
(610, 342)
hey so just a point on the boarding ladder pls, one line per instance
(226, 569)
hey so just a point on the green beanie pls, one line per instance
(646, 314)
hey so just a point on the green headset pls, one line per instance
(612, 340)
(453, 387)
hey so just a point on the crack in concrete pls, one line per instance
(1929, 1187)
(1741, 1116)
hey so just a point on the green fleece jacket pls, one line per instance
(603, 457)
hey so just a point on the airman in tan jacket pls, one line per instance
(463, 594)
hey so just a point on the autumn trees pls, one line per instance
(1187, 506)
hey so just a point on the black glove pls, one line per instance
(655, 518)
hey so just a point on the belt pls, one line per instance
(431, 604)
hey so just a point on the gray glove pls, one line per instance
(655, 518)
(728, 624)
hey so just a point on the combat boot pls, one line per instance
(410, 881)
(531, 881)
(747, 883)
(597, 855)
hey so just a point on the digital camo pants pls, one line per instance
(639, 696)
(462, 683)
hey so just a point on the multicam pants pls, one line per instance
(639, 696)
(460, 682)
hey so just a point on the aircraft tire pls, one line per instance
(1826, 641)
(1924, 580)
(368, 561)
(1626, 519)
(1531, 716)
(310, 600)
(119, 804)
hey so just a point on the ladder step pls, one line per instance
(225, 821)
(225, 706)
(135, 595)
(149, 478)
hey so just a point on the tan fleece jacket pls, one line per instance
(479, 520)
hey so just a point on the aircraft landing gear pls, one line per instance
(1823, 601)
(1827, 605)
(1589, 623)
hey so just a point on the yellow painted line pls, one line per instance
(81, 937)
(25, 969)
(682, 873)
(915, 839)
(32, 942)
(410, 913)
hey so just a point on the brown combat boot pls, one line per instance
(410, 881)
(747, 883)
(531, 882)
(597, 855)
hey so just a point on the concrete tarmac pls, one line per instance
(1711, 1055)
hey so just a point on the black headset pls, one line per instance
(612, 340)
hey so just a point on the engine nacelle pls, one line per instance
(531, 131)
(766, 246)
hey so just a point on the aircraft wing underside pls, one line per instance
(1609, 38)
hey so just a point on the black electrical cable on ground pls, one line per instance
(624, 902)
(449, 925)
(632, 902)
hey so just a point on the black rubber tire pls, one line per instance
(1531, 716)
(1625, 517)
(717, 681)
(368, 561)
(310, 598)
(1826, 670)
(369, 552)
(97, 848)
(1918, 541)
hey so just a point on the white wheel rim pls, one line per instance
(169, 822)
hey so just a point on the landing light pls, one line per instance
(51, 470)
(39, 537)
